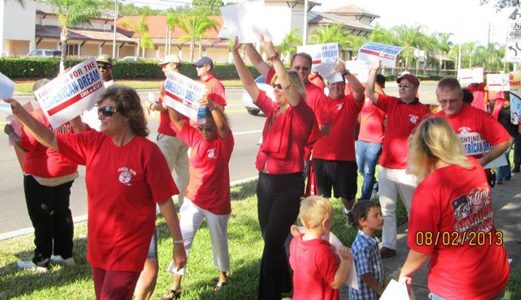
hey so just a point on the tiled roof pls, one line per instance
(157, 27)
(351, 10)
(321, 18)
(81, 34)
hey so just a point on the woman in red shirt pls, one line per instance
(451, 221)
(126, 175)
(290, 125)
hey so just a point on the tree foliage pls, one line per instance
(290, 42)
(212, 6)
(141, 31)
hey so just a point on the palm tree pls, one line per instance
(330, 34)
(195, 23)
(70, 14)
(171, 22)
(141, 31)
(289, 43)
(382, 36)
(444, 45)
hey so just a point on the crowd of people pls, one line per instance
(432, 161)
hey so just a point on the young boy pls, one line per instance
(318, 273)
(367, 216)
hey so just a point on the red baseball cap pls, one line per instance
(411, 78)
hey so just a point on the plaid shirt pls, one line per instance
(367, 261)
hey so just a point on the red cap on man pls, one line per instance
(411, 78)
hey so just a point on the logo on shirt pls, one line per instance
(414, 118)
(211, 153)
(473, 211)
(465, 130)
(339, 106)
(125, 175)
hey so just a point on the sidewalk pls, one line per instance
(506, 204)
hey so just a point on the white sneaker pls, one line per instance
(29, 265)
(58, 259)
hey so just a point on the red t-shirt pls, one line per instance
(402, 118)
(371, 123)
(164, 117)
(123, 185)
(209, 184)
(315, 99)
(449, 204)
(339, 144)
(314, 265)
(478, 92)
(476, 129)
(215, 90)
(41, 161)
(284, 136)
(316, 80)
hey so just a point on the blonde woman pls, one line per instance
(290, 125)
(451, 222)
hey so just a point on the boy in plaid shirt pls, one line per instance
(367, 216)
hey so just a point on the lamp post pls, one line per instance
(115, 21)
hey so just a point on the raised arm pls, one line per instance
(356, 86)
(218, 118)
(41, 133)
(369, 89)
(244, 74)
(176, 119)
(291, 92)
(256, 60)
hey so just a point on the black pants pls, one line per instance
(49, 211)
(278, 205)
(517, 151)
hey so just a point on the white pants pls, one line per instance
(191, 219)
(391, 184)
(176, 154)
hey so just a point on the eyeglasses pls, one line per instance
(208, 128)
(103, 66)
(106, 111)
(298, 68)
(405, 86)
(277, 85)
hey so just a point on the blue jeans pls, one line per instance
(436, 297)
(503, 172)
(366, 157)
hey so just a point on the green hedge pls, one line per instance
(16, 68)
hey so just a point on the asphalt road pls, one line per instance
(246, 128)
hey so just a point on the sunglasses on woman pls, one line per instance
(106, 111)
(276, 85)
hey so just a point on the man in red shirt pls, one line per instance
(215, 89)
(403, 115)
(482, 136)
(334, 157)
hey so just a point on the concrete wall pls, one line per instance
(17, 24)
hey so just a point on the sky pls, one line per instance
(467, 20)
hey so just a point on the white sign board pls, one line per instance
(468, 76)
(73, 92)
(387, 54)
(6, 87)
(396, 290)
(513, 44)
(247, 20)
(327, 68)
(515, 108)
(359, 68)
(183, 94)
(321, 52)
(498, 82)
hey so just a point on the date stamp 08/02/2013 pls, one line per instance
(446, 238)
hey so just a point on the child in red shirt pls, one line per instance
(317, 272)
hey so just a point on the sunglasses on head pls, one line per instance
(276, 85)
(208, 128)
(106, 111)
(102, 66)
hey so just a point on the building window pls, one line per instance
(73, 49)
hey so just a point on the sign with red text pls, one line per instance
(468, 76)
(515, 108)
(71, 93)
(498, 82)
(321, 52)
(183, 94)
(387, 54)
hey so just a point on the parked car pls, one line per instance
(45, 53)
(130, 58)
(248, 102)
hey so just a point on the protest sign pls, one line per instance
(515, 108)
(498, 82)
(359, 68)
(515, 81)
(183, 94)
(73, 92)
(247, 20)
(326, 68)
(396, 290)
(321, 52)
(468, 76)
(387, 54)
(6, 87)
(6, 108)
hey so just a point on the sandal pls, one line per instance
(219, 286)
(172, 294)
